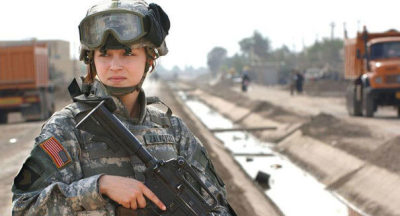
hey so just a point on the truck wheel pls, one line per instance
(32, 112)
(3, 117)
(353, 106)
(368, 106)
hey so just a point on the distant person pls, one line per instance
(83, 171)
(245, 79)
(299, 82)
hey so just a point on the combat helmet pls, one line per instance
(122, 24)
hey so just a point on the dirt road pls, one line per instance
(385, 121)
(16, 140)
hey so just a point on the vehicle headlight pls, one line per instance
(378, 80)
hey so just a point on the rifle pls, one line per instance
(167, 179)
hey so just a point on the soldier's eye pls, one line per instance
(129, 54)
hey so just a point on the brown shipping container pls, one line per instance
(23, 67)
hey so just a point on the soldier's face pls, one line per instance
(117, 69)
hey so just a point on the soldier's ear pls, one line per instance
(150, 61)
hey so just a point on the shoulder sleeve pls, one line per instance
(195, 153)
(50, 181)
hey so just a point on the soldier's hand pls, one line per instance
(127, 192)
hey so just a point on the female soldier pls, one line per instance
(81, 171)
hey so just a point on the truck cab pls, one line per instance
(372, 62)
(385, 62)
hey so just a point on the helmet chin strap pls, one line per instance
(121, 91)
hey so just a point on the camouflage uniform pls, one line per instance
(70, 187)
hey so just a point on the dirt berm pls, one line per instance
(354, 162)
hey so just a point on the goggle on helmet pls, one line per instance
(129, 22)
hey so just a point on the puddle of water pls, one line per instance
(212, 119)
(243, 143)
(293, 191)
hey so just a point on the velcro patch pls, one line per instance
(56, 152)
(158, 139)
(25, 178)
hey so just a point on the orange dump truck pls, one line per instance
(372, 63)
(24, 82)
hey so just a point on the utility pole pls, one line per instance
(295, 53)
(332, 30)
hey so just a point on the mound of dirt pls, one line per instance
(355, 139)
(387, 155)
(325, 125)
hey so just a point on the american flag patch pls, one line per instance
(56, 152)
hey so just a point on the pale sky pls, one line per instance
(199, 25)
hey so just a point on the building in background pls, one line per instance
(265, 73)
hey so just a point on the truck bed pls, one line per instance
(23, 67)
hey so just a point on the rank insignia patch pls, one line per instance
(56, 152)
